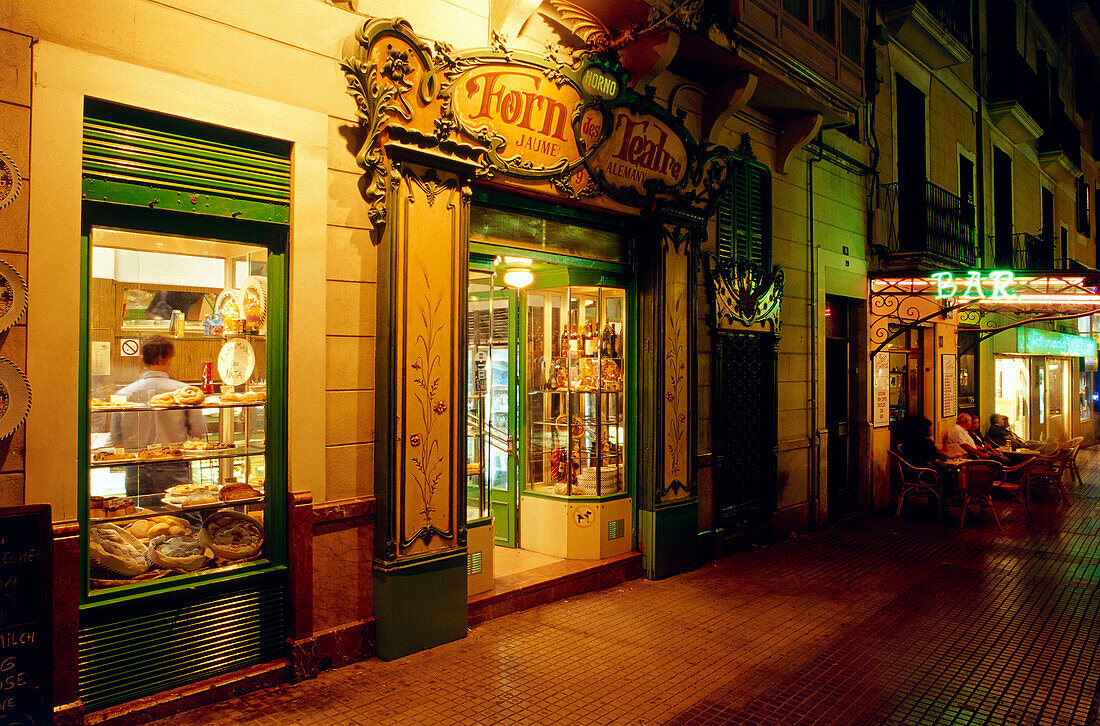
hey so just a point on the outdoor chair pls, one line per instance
(1074, 446)
(1049, 448)
(1015, 481)
(1050, 471)
(916, 480)
(976, 481)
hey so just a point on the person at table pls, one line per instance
(1000, 432)
(957, 443)
(917, 446)
(984, 446)
(135, 430)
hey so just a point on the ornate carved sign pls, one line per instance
(527, 118)
(564, 119)
(642, 154)
(743, 293)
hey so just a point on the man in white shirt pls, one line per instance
(134, 430)
(957, 442)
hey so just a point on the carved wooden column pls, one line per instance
(420, 537)
(668, 502)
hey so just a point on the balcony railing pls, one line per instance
(928, 226)
(1023, 251)
(954, 15)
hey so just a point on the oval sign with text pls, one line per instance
(531, 115)
(641, 152)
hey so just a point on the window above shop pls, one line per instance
(744, 215)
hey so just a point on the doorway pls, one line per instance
(838, 407)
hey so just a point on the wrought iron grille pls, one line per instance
(745, 433)
(1024, 251)
(928, 224)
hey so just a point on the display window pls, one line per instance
(178, 475)
(575, 405)
(548, 373)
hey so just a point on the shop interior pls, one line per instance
(177, 446)
(547, 435)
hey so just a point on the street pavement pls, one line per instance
(906, 622)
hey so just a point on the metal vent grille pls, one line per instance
(473, 563)
(125, 162)
(615, 529)
(129, 657)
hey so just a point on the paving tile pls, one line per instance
(873, 622)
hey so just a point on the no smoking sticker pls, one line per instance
(130, 347)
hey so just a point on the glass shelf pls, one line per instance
(235, 452)
(142, 407)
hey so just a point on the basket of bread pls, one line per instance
(231, 535)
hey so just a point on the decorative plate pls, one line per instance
(236, 361)
(15, 398)
(13, 296)
(254, 303)
(228, 305)
(9, 180)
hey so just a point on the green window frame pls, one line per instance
(744, 214)
(131, 158)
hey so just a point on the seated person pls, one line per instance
(985, 448)
(957, 442)
(998, 433)
(916, 443)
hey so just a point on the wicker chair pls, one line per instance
(916, 480)
(1074, 445)
(1049, 448)
(976, 481)
(1050, 471)
(1015, 481)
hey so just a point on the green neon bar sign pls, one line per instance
(974, 285)
(1047, 342)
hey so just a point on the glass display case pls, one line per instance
(177, 423)
(574, 388)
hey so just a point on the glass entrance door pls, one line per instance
(491, 470)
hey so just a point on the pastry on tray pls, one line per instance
(115, 549)
(185, 396)
(103, 456)
(197, 499)
(235, 491)
(232, 535)
(159, 452)
(184, 489)
(176, 552)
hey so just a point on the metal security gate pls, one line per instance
(744, 428)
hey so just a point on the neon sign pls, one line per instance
(993, 286)
(1047, 342)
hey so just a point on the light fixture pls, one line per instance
(517, 271)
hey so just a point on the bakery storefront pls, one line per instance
(539, 230)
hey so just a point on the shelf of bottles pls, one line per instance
(575, 407)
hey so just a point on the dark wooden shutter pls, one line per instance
(744, 215)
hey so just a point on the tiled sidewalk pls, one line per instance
(876, 621)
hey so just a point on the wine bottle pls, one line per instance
(575, 344)
(615, 352)
(607, 350)
(590, 339)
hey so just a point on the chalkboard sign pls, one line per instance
(25, 616)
